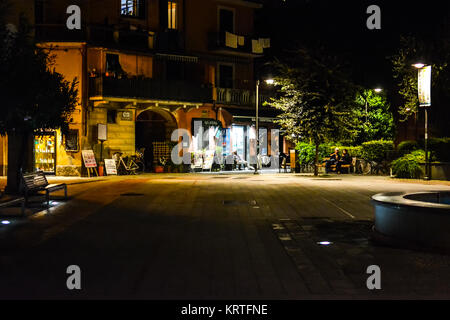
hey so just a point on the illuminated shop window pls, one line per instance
(45, 152)
(172, 15)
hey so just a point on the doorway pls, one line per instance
(153, 126)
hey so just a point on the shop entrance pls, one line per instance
(153, 127)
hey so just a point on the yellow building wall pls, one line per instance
(121, 135)
(68, 61)
(95, 60)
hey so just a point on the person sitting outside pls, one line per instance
(345, 159)
(238, 161)
(334, 159)
(282, 161)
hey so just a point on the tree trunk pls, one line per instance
(18, 160)
(316, 161)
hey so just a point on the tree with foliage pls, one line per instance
(316, 98)
(34, 96)
(376, 119)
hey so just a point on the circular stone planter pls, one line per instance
(413, 219)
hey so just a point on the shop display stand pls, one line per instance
(91, 171)
(45, 153)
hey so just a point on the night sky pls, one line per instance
(341, 26)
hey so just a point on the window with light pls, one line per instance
(172, 15)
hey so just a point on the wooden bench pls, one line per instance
(35, 182)
(333, 166)
(347, 166)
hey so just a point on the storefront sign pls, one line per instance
(424, 86)
(110, 166)
(127, 115)
(89, 159)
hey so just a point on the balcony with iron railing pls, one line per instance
(149, 89)
(240, 97)
(172, 90)
(118, 36)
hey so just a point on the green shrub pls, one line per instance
(376, 150)
(408, 166)
(325, 150)
(355, 151)
(406, 147)
(306, 153)
(418, 154)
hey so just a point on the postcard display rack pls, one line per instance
(45, 152)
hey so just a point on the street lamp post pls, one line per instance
(424, 93)
(377, 90)
(257, 126)
(270, 82)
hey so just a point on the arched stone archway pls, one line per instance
(153, 125)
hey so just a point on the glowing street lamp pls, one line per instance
(418, 65)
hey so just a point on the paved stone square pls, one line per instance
(211, 236)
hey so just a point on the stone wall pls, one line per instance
(68, 170)
(121, 135)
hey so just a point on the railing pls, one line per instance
(240, 97)
(152, 89)
(120, 36)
